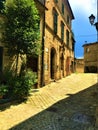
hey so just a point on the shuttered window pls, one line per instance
(67, 37)
(62, 8)
(62, 31)
(55, 24)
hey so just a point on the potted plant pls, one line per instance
(3, 90)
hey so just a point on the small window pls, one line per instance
(73, 46)
(68, 19)
(87, 50)
(62, 8)
(67, 37)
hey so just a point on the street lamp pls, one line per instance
(92, 19)
(92, 22)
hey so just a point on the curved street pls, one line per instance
(67, 104)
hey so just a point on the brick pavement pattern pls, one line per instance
(67, 104)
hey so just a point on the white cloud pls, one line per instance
(86, 7)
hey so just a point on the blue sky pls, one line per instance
(81, 27)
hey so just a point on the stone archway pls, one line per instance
(62, 65)
(52, 63)
(68, 66)
(32, 63)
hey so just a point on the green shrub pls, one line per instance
(24, 83)
(18, 86)
(7, 76)
(3, 89)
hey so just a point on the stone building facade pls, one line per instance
(57, 58)
(91, 57)
(58, 41)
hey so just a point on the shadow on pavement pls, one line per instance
(4, 104)
(7, 103)
(76, 112)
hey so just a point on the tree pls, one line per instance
(21, 34)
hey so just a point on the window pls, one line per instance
(87, 50)
(67, 37)
(73, 46)
(62, 8)
(62, 31)
(67, 19)
(55, 21)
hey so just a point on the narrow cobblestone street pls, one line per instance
(67, 104)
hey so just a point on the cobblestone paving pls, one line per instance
(67, 104)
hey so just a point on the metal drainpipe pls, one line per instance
(97, 41)
(42, 66)
(74, 59)
(97, 20)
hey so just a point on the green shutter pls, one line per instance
(62, 31)
(55, 22)
(67, 37)
(67, 19)
(62, 8)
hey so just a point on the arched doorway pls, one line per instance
(62, 65)
(32, 63)
(68, 66)
(52, 63)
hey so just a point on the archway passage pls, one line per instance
(32, 63)
(62, 64)
(67, 66)
(52, 63)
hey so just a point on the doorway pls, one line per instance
(52, 63)
(62, 65)
(32, 63)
